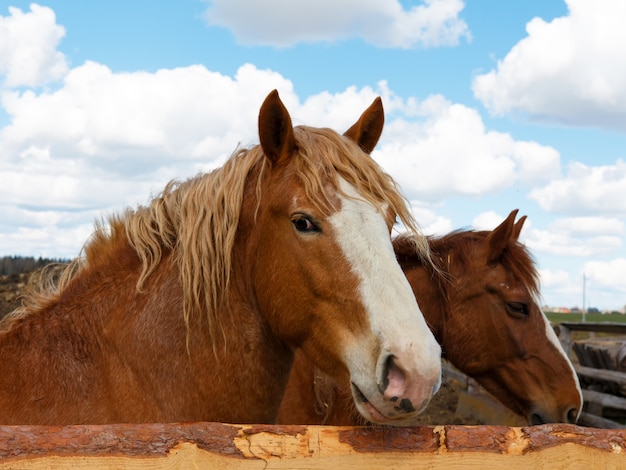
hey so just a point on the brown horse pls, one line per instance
(189, 308)
(482, 307)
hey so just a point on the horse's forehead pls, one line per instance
(355, 203)
(331, 197)
(506, 280)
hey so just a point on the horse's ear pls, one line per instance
(275, 129)
(367, 130)
(500, 237)
(518, 228)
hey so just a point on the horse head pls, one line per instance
(494, 298)
(325, 274)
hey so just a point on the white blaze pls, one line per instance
(394, 315)
(553, 338)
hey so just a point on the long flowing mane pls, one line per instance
(197, 220)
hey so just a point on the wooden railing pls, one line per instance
(604, 385)
(245, 447)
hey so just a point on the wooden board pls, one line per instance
(215, 445)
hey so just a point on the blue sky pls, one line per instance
(491, 106)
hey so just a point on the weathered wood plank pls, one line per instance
(601, 374)
(593, 420)
(584, 356)
(599, 327)
(215, 445)
(604, 399)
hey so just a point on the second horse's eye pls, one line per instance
(518, 309)
(304, 224)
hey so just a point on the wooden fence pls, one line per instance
(600, 362)
(215, 445)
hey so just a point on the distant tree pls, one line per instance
(11, 265)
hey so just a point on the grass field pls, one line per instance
(590, 317)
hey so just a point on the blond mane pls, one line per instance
(198, 219)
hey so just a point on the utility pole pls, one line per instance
(584, 292)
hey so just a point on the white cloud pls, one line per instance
(571, 70)
(28, 41)
(126, 131)
(337, 111)
(103, 139)
(448, 151)
(551, 278)
(604, 283)
(429, 221)
(385, 24)
(607, 275)
(589, 226)
(47, 241)
(55, 233)
(487, 221)
(556, 241)
(190, 112)
(586, 190)
(561, 286)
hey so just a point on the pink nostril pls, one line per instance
(394, 382)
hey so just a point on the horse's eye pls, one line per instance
(304, 224)
(517, 309)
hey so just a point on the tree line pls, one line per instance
(11, 265)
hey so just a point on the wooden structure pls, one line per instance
(477, 405)
(601, 367)
(215, 445)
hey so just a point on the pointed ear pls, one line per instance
(275, 129)
(500, 237)
(367, 130)
(518, 228)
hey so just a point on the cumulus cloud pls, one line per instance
(438, 148)
(429, 221)
(487, 220)
(562, 286)
(48, 240)
(100, 140)
(190, 112)
(585, 190)
(589, 226)
(104, 139)
(607, 274)
(385, 24)
(129, 130)
(563, 238)
(28, 42)
(571, 70)
(552, 278)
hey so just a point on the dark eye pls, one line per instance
(517, 309)
(304, 224)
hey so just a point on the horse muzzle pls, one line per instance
(401, 392)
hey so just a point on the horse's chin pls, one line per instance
(371, 414)
(374, 415)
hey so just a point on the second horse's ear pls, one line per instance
(500, 237)
(518, 228)
(275, 129)
(367, 130)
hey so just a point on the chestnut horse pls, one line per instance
(189, 308)
(482, 306)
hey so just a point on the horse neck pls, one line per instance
(429, 292)
(246, 368)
